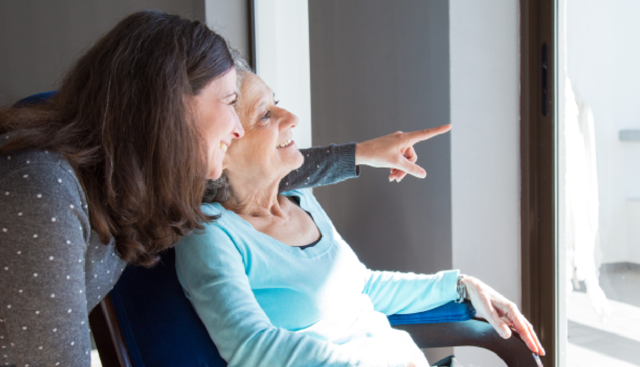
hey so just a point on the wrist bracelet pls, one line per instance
(462, 290)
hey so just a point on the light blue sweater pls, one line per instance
(265, 303)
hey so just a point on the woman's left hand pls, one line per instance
(501, 313)
(396, 151)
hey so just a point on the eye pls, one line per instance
(266, 116)
(233, 103)
(276, 102)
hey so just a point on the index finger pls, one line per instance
(421, 135)
(524, 328)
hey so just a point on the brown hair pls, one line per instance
(120, 119)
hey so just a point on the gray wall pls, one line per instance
(377, 67)
(233, 20)
(40, 39)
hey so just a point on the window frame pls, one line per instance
(539, 256)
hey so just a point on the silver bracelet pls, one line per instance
(462, 290)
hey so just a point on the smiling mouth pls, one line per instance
(285, 144)
(224, 147)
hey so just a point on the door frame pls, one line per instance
(539, 257)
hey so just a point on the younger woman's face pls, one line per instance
(215, 115)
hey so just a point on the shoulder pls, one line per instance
(37, 164)
(216, 233)
(41, 171)
(216, 246)
(225, 219)
(42, 187)
(212, 209)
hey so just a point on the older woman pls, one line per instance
(275, 283)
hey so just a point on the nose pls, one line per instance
(289, 120)
(238, 130)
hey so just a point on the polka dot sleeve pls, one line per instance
(44, 234)
(323, 166)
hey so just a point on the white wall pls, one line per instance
(602, 63)
(282, 58)
(485, 150)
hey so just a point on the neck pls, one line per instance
(255, 197)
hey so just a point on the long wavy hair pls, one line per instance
(121, 120)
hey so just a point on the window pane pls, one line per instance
(599, 182)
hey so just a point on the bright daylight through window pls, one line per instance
(598, 184)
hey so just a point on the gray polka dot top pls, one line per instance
(53, 267)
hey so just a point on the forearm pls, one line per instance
(323, 166)
(396, 292)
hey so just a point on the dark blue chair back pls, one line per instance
(36, 98)
(157, 321)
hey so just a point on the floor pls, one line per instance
(614, 341)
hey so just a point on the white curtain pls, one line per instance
(581, 199)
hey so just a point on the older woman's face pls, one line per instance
(267, 150)
(217, 120)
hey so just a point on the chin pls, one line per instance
(293, 162)
(299, 159)
(215, 173)
(214, 176)
(215, 167)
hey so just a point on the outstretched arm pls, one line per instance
(396, 151)
(335, 163)
(323, 166)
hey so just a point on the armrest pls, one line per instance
(474, 332)
(449, 312)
